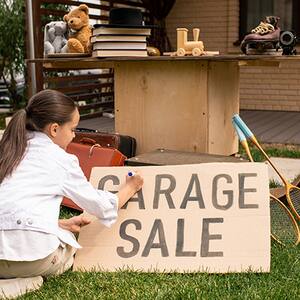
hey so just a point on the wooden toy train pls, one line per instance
(185, 47)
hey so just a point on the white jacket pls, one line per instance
(30, 198)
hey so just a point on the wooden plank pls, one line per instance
(259, 63)
(28, 53)
(53, 12)
(84, 87)
(78, 97)
(162, 104)
(129, 3)
(106, 94)
(295, 139)
(79, 77)
(284, 130)
(268, 130)
(223, 102)
(38, 36)
(46, 71)
(91, 115)
(106, 104)
(173, 157)
(61, 13)
(76, 3)
(290, 131)
(231, 57)
(252, 115)
(77, 65)
(263, 121)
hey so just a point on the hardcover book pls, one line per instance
(119, 46)
(105, 30)
(118, 38)
(110, 53)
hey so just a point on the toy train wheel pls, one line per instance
(181, 52)
(196, 52)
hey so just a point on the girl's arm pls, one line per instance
(102, 204)
(132, 185)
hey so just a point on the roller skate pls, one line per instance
(263, 39)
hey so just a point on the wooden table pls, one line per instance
(178, 103)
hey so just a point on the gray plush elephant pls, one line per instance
(55, 38)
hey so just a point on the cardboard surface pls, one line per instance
(210, 217)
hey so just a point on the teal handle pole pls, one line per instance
(236, 119)
(239, 132)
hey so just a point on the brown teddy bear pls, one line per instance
(80, 30)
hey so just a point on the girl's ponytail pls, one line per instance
(45, 107)
(13, 144)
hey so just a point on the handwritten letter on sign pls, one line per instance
(191, 218)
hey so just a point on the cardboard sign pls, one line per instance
(210, 217)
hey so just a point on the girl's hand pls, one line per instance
(74, 224)
(131, 186)
(135, 181)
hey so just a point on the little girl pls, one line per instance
(35, 173)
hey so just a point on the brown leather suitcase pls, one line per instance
(124, 143)
(93, 155)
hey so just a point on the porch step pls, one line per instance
(274, 127)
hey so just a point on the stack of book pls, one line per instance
(119, 41)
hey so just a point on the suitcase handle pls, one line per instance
(86, 140)
(92, 148)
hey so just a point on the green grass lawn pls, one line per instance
(279, 151)
(283, 282)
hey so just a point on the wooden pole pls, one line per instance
(31, 52)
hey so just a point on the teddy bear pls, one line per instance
(55, 37)
(80, 30)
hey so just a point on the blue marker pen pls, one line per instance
(131, 173)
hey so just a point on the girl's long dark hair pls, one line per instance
(45, 107)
